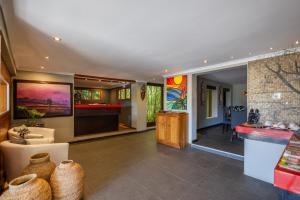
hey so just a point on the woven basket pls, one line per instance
(41, 165)
(27, 187)
(67, 181)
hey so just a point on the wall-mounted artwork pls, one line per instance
(52, 98)
(177, 92)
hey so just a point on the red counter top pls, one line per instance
(287, 179)
(264, 132)
(98, 106)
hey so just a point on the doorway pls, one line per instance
(221, 105)
(154, 96)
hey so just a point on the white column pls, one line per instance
(138, 108)
(192, 107)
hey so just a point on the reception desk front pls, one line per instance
(96, 118)
(262, 149)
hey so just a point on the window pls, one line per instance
(96, 95)
(88, 94)
(124, 93)
(211, 102)
(154, 93)
(4, 102)
(127, 93)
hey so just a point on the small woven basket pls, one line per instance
(27, 187)
(41, 165)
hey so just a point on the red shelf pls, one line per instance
(287, 179)
(98, 106)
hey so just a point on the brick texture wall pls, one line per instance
(275, 100)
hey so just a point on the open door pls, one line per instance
(154, 102)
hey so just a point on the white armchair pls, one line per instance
(16, 156)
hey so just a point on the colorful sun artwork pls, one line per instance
(177, 92)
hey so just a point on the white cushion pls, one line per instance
(17, 140)
(39, 141)
(33, 136)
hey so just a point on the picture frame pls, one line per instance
(176, 88)
(55, 99)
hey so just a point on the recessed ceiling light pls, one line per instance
(42, 67)
(57, 39)
(166, 70)
(297, 42)
(271, 48)
(205, 61)
(47, 57)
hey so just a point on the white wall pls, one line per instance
(238, 97)
(64, 126)
(215, 102)
(192, 107)
(139, 108)
(202, 120)
(228, 98)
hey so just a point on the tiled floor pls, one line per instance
(214, 137)
(134, 167)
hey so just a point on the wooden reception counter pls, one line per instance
(96, 118)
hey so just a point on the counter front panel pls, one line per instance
(90, 119)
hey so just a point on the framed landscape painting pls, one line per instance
(177, 92)
(50, 98)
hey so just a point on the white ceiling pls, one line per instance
(237, 75)
(136, 39)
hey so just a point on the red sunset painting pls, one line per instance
(54, 99)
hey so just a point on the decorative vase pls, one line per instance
(41, 165)
(27, 187)
(67, 181)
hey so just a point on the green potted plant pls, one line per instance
(33, 116)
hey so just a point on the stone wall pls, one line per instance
(267, 92)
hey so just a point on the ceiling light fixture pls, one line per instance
(42, 67)
(57, 39)
(205, 61)
(297, 42)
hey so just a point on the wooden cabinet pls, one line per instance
(171, 129)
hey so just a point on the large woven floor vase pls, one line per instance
(41, 165)
(27, 187)
(67, 181)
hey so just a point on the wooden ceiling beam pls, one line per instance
(105, 79)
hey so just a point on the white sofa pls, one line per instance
(16, 156)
